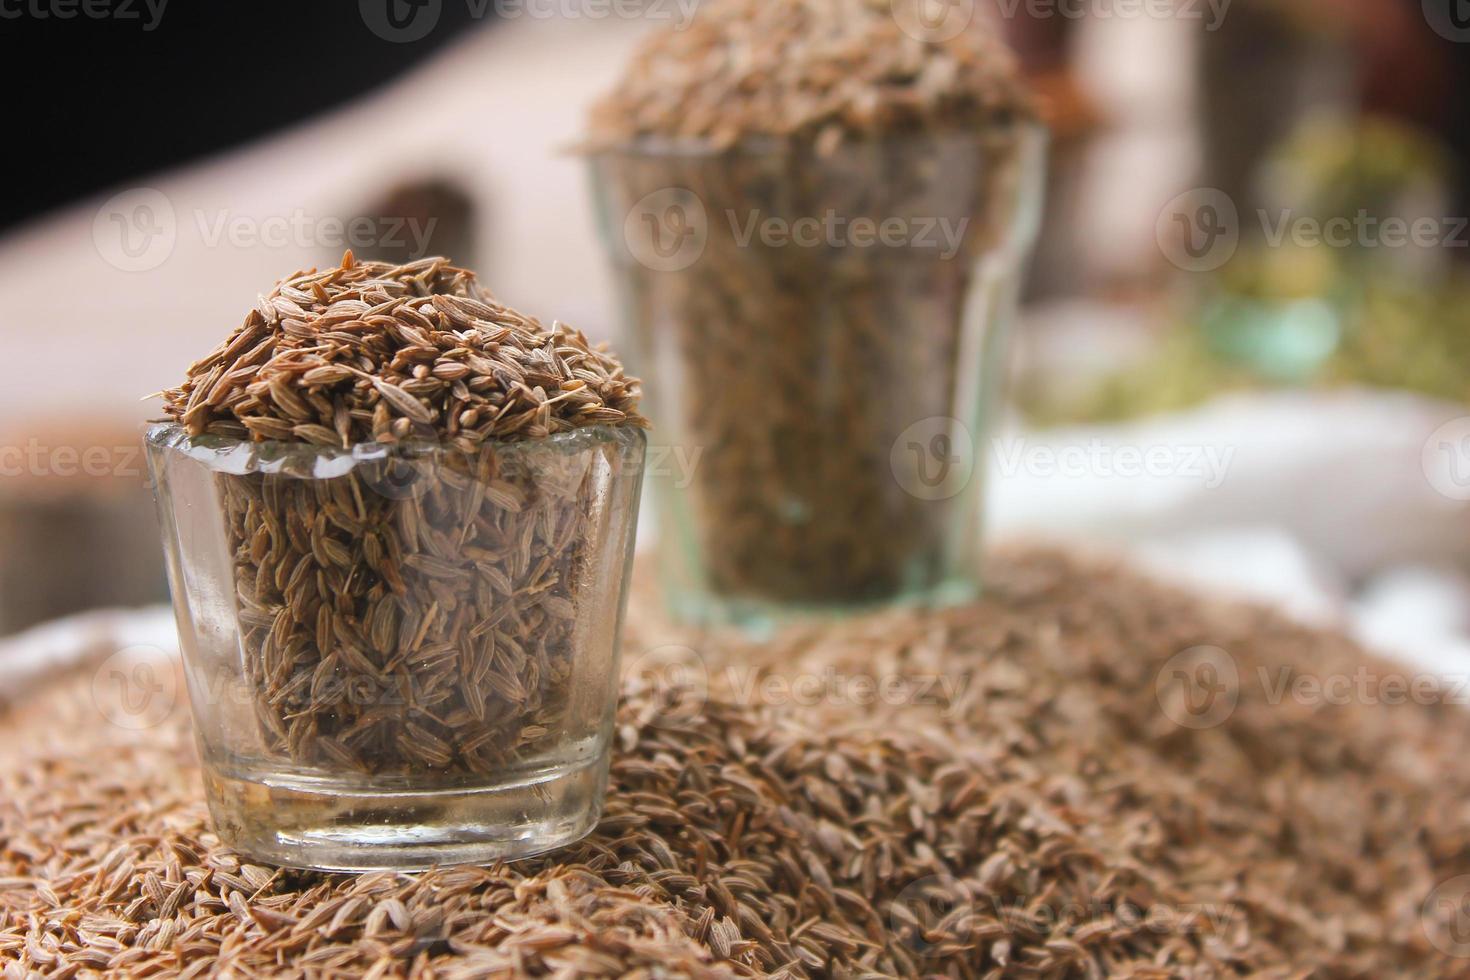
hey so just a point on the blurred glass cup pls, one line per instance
(823, 333)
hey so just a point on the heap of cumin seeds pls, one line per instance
(1046, 821)
(417, 614)
(371, 352)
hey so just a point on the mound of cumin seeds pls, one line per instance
(800, 367)
(369, 352)
(1048, 820)
(418, 613)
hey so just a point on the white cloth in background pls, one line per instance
(1319, 503)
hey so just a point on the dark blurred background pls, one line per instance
(102, 100)
(97, 101)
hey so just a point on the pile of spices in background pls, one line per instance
(809, 70)
(1038, 807)
(741, 163)
(418, 611)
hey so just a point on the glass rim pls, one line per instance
(235, 455)
(696, 147)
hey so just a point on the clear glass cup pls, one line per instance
(400, 657)
(825, 335)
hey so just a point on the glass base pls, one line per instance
(303, 824)
(760, 619)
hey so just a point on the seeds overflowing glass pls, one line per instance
(399, 517)
(819, 211)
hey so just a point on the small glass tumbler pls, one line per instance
(405, 656)
(827, 327)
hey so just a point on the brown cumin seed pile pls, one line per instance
(418, 612)
(1046, 819)
(370, 352)
(801, 366)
